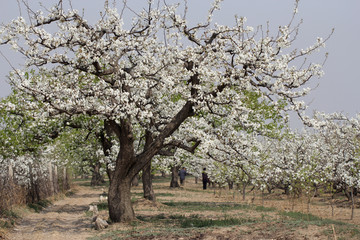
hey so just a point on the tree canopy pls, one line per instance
(157, 80)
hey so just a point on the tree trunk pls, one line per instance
(66, 184)
(119, 200)
(55, 180)
(97, 179)
(31, 192)
(174, 177)
(52, 190)
(244, 191)
(128, 164)
(352, 203)
(11, 174)
(230, 184)
(147, 183)
(135, 181)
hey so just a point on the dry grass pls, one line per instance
(11, 194)
(192, 213)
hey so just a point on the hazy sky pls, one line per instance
(338, 89)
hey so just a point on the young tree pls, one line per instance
(154, 75)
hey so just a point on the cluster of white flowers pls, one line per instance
(328, 155)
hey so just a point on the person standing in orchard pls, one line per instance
(182, 174)
(205, 178)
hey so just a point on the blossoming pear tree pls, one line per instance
(340, 137)
(156, 74)
(24, 144)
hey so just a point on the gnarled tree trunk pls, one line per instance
(119, 196)
(119, 199)
(128, 164)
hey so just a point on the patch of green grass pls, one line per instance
(110, 235)
(69, 193)
(179, 216)
(87, 183)
(264, 209)
(164, 194)
(81, 179)
(311, 219)
(40, 205)
(208, 206)
(198, 190)
(298, 220)
(156, 194)
(84, 183)
(160, 179)
(9, 214)
(166, 218)
(301, 216)
(102, 206)
(177, 226)
(89, 213)
(141, 231)
(193, 221)
(8, 218)
(7, 224)
(203, 223)
(145, 233)
(153, 218)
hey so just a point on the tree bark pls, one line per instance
(97, 179)
(135, 181)
(352, 203)
(11, 173)
(52, 190)
(66, 183)
(230, 184)
(244, 191)
(119, 200)
(55, 180)
(127, 166)
(174, 177)
(147, 183)
(31, 191)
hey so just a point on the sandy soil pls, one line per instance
(65, 219)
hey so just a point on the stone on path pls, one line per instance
(100, 224)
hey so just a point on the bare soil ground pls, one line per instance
(64, 219)
(267, 217)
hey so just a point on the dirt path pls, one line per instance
(65, 219)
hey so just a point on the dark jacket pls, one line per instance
(205, 177)
(182, 174)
